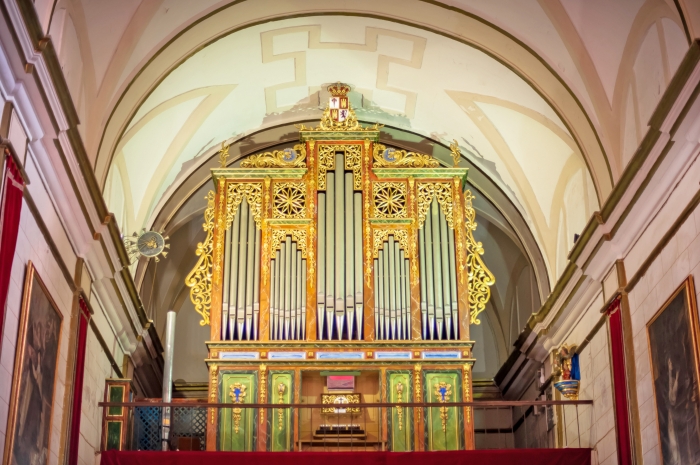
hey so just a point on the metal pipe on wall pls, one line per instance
(321, 275)
(445, 261)
(359, 300)
(250, 274)
(227, 271)
(242, 262)
(453, 284)
(349, 245)
(423, 280)
(256, 286)
(233, 282)
(168, 375)
(287, 286)
(330, 252)
(339, 245)
(437, 268)
(391, 264)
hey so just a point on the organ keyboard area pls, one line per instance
(340, 238)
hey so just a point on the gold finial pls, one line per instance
(456, 152)
(223, 154)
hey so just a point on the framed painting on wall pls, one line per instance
(34, 378)
(673, 349)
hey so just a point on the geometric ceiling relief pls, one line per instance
(271, 74)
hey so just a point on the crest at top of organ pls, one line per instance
(339, 238)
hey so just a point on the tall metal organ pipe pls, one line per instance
(391, 292)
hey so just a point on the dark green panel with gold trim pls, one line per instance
(400, 420)
(444, 426)
(280, 425)
(238, 426)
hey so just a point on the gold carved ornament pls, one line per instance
(199, 279)
(427, 191)
(213, 370)
(399, 399)
(339, 402)
(329, 123)
(366, 207)
(223, 155)
(394, 158)
(236, 192)
(237, 394)
(353, 161)
(467, 369)
(298, 235)
(289, 200)
(263, 389)
(382, 235)
(456, 152)
(443, 391)
(413, 234)
(326, 162)
(286, 158)
(389, 199)
(281, 387)
(480, 277)
(416, 381)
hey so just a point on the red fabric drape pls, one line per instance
(490, 457)
(10, 209)
(617, 349)
(83, 322)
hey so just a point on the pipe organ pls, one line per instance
(338, 253)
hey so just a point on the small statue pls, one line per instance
(566, 366)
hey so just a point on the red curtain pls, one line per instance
(10, 209)
(490, 457)
(83, 322)
(617, 349)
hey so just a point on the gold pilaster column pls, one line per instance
(265, 254)
(367, 242)
(462, 270)
(218, 261)
(312, 242)
(213, 417)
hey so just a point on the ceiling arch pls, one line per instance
(401, 75)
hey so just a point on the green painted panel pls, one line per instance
(280, 421)
(116, 394)
(451, 436)
(238, 426)
(114, 435)
(400, 420)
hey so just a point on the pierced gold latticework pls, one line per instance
(236, 192)
(287, 158)
(199, 279)
(382, 235)
(389, 199)
(289, 200)
(353, 161)
(326, 162)
(427, 191)
(394, 158)
(480, 277)
(298, 235)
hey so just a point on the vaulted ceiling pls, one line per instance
(548, 99)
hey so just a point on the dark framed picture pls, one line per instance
(34, 378)
(673, 349)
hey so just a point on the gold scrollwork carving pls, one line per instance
(263, 389)
(443, 391)
(298, 235)
(417, 386)
(353, 161)
(394, 158)
(389, 199)
(213, 370)
(281, 387)
(366, 208)
(252, 192)
(326, 161)
(399, 399)
(480, 277)
(237, 394)
(286, 158)
(199, 279)
(381, 235)
(427, 191)
(289, 199)
(467, 369)
(339, 403)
